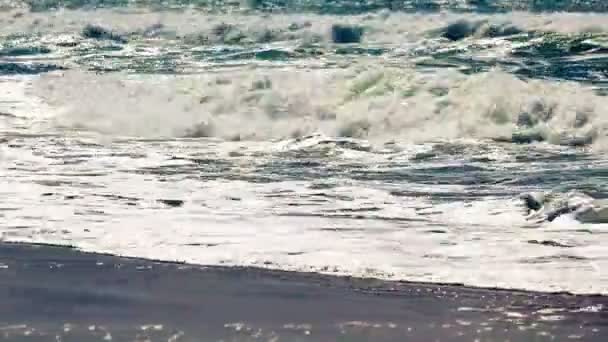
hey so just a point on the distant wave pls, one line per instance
(380, 27)
(330, 6)
(570, 46)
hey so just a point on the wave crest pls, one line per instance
(379, 104)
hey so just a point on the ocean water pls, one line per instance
(387, 139)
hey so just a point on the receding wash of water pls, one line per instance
(451, 141)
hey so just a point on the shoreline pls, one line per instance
(59, 292)
(379, 284)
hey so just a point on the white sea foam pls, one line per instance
(376, 103)
(483, 243)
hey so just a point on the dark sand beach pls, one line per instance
(60, 294)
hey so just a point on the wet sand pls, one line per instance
(52, 293)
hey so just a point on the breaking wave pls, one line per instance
(370, 102)
(204, 28)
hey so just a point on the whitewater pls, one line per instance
(373, 142)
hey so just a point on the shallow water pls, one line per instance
(391, 144)
(55, 293)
